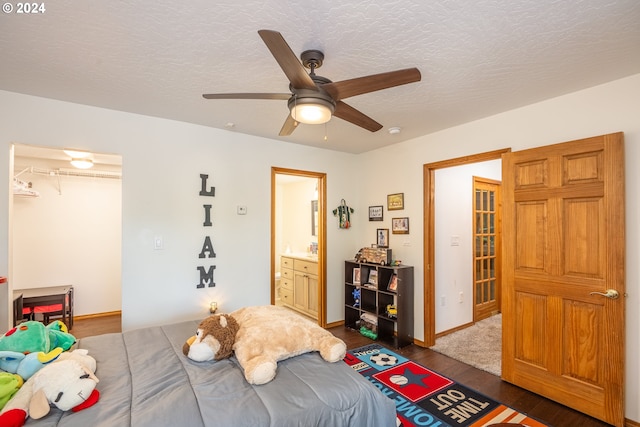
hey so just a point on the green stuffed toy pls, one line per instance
(9, 385)
(33, 337)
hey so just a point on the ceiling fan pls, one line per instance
(315, 99)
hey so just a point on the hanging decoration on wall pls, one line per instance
(343, 212)
(207, 251)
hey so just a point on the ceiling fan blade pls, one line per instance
(278, 96)
(288, 61)
(289, 126)
(372, 83)
(350, 114)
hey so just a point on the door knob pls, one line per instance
(610, 293)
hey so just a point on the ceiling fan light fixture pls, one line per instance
(82, 163)
(313, 111)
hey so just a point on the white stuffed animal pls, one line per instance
(69, 383)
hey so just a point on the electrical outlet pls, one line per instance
(242, 210)
(460, 297)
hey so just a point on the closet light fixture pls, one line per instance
(76, 154)
(82, 163)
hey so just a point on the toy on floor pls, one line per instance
(266, 335)
(68, 383)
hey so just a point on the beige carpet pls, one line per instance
(479, 345)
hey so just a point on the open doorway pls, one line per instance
(298, 249)
(458, 308)
(66, 226)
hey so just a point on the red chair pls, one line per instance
(56, 310)
(47, 311)
(27, 313)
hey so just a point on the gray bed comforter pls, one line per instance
(145, 380)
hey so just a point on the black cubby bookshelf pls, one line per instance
(398, 331)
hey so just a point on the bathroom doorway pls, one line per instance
(298, 241)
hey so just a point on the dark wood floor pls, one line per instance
(488, 384)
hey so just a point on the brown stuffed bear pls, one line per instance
(266, 335)
(218, 332)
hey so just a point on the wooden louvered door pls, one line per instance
(563, 265)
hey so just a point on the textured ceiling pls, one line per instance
(477, 58)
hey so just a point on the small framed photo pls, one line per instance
(373, 277)
(393, 283)
(356, 276)
(395, 202)
(375, 213)
(382, 237)
(400, 225)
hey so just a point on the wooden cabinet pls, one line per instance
(377, 300)
(299, 284)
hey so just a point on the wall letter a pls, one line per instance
(207, 247)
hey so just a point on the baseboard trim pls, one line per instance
(94, 315)
(456, 329)
(334, 324)
(631, 423)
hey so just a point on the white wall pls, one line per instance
(608, 108)
(71, 234)
(295, 211)
(454, 264)
(162, 161)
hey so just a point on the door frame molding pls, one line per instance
(429, 285)
(322, 235)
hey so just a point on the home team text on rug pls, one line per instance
(426, 398)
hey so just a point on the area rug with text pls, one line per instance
(426, 398)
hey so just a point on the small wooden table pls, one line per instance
(48, 296)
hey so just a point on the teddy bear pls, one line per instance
(68, 383)
(260, 337)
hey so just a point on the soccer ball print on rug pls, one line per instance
(426, 398)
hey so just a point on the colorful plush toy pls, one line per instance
(68, 383)
(266, 335)
(26, 365)
(9, 385)
(33, 337)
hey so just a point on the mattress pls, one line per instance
(145, 380)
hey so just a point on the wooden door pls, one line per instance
(312, 295)
(300, 290)
(487, 244)
(563, 247)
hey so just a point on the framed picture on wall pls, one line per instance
(382, 238)
(375, 213)
(400, 225)
(395, 202)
